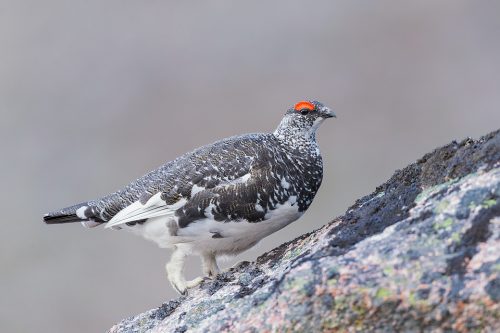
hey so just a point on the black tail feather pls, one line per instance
(52, 219)
(66, 215)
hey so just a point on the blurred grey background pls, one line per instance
(95, 93)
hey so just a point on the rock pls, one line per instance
(421, 253)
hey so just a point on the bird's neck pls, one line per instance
(296, 135)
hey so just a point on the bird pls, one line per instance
(220, 199)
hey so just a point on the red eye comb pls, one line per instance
(304, 105)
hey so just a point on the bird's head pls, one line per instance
(303, 119)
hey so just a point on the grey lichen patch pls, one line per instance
(430, 191)
(493, 289)
(444, 224)
(202, 310)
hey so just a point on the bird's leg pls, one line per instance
(175, 272)
(209, 264)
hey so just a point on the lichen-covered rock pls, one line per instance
(421, 253)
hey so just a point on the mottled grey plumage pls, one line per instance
(242, 178)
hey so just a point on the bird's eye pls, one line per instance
(304, 107)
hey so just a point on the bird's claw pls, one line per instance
(182, 287)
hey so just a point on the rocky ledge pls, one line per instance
(421, 253)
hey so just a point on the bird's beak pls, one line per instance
(328, 113)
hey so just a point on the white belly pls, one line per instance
(198, 236)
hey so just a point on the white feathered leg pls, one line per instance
(209, 264)
(175, 272)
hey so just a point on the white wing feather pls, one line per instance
(154, 207)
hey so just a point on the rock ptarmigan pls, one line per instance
(219, 199)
